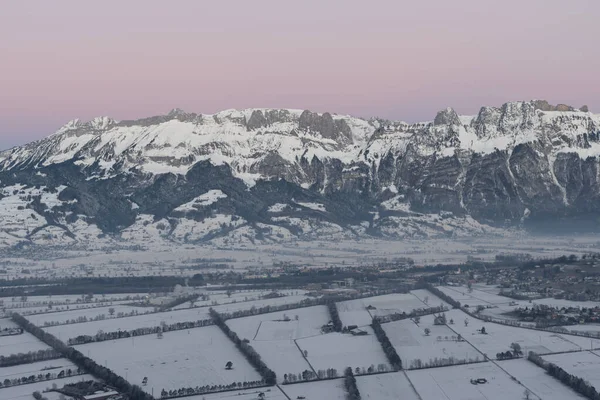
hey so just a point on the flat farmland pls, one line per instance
(40, 367)
(385, 387)
(267, 327)
(498, 338)
(320, 390)
(412, 344)
(22, 343)
(7, 323)
(429, 299)
(23, 392)
(186, 358)
(475, 297)
(42, 320)
(538, 381)
(585, 365)
(453, 383)
(337, 350)
(65, 332)
(274, 338)
(355, 312)
(271, 393)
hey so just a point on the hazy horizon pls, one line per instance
(67, 59)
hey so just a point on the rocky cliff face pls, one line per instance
(273, 175)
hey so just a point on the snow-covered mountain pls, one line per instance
(271, 175)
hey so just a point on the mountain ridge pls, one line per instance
(454, 175)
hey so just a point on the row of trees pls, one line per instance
(190, 391)
(416, 313)
(102, 336)
(331, 373)
(39, 377)
(85, 363)
(574, 382)
(352, 392)
(335, 316)
(179, 300)
(442, 362)
(248, 351)
(29, 357)
(440, 294)
(386, 345)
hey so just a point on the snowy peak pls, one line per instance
(197, 177)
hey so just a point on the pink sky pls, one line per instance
(405, 60)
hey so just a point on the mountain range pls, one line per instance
(271, 175)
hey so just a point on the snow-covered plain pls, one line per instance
(322, 390)
(498, 338)
(538, 381)
(337, 350)
(355, 312)
(274, 339)
(24, 392)
(585, 365)
(186, 358)
(60, 317)
(386, 387)
(453, 383)
(22, 343)
(411, 342)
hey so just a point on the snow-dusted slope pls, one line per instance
(269, 174)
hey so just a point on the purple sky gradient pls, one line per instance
(66, 59)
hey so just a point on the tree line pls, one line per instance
(574, 382)
(440, 294)
(29, 357)
(386, 345)
(190, 391)
(177, 301)
(352, 392)
(40, 377)
(331, 373)
(419, 312)
(102, 336)
(85, 363)
(244, 347)
(335, 316)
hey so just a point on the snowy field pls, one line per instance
(337, 350)
(411, 342)
(585, 365)
(474, 298)
(270, 327)
(355, 312)
(61, 317)
(385, 387)
(194, 357)
(64, 332)
(271, 393)
(453, 383)
(429, 298)
(166, 258)
(538, 381)
(36, 368)
(273, 338)
(7, 323)
(23, 392)
(321, 390)
(499, 337)
(22, 343)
